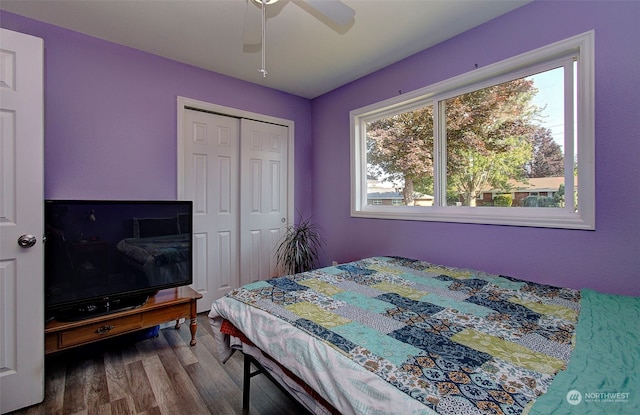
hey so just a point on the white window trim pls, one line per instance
(583, 45)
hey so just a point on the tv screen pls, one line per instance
(102, 256)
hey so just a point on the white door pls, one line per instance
(263, 184)
(211, 165)
(235, 171)
(21, 213)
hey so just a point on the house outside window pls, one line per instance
(508, 144)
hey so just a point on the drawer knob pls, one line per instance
(104, 329)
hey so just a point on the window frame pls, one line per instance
(580, 46)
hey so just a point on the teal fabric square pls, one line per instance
(395, 351)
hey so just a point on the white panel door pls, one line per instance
(263, 184)
(211, 157)
(21, 213)
(236, 172)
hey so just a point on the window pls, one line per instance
(508, 144)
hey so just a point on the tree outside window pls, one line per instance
(493, 136)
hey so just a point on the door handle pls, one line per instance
(26, 241)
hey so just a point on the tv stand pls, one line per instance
(166, 305)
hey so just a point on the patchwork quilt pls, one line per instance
(449, 340)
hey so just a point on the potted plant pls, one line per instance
(300, 248)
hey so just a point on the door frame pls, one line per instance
(189, 103)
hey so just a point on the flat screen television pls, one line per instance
(103, 256)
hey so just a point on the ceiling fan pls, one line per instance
(334, 13)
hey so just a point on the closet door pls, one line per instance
(263, 184)
(236, 173)
(210, 180)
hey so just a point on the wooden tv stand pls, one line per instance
(166, 305)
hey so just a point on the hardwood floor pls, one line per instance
(157, 376)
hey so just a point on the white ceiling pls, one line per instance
(306, 54)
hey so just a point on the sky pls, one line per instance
(551, 97)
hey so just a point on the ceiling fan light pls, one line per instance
(267, 2)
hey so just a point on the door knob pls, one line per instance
(26, 241)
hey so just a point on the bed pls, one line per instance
(389, 335)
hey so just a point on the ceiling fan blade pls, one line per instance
(335, 10)
(252, 33)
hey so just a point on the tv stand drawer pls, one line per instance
(171, 304)
(98, 331)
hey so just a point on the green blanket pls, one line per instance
(603, 376)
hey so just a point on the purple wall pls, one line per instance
(607, 259)
(110, 116)
(110, 132)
